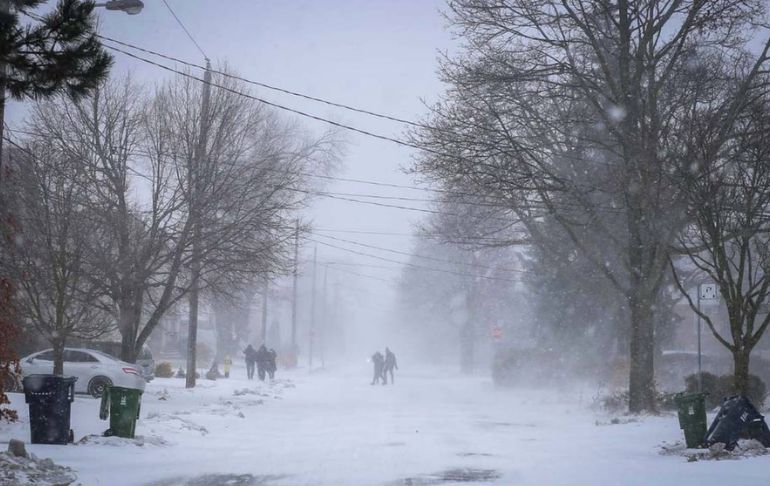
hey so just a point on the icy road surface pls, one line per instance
(333, 428)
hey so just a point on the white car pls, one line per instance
(93, 369)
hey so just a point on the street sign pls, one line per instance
(708, 291)
(497, 332)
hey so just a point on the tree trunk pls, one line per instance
(641, 384)
(128, 322)
(741, 371)
(58, 356)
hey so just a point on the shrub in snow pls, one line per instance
(164, 370)
(718, 387)
(618, 402)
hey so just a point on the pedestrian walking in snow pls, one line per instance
(228, 363)
(263, 362)
(389, 365)
(272, 367)
(379, 361)
(251, 360)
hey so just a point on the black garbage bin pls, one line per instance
(50, 398)
(737, 419)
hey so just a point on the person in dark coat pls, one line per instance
(251, 359)
(389, 365)
(263, 362)
(379, 362)
(271, 366)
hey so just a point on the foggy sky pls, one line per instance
(378, 55)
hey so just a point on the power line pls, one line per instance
(409, 235)
(425, 257)
(346, 196)
(268, 86)
(185, 30)
(330, 195)
(277, 105)
(412, 265)
(373, 203)
(351, 272)
(530, 205)
(299, 112)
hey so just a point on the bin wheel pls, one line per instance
(97, 385)
(71, 438)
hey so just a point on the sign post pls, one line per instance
(705, 292)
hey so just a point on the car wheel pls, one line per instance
(97, 386)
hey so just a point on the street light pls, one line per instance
(131, 7)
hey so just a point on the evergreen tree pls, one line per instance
(58, 53)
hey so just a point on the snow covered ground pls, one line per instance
(333, 428)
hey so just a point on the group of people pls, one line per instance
(263, 359)
(384, 365)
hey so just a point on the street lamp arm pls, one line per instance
(131, 7)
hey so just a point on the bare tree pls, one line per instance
(133, 199)
(139, 172)
(547, 89)
(243, 175)
(727, 241)
(49, 257)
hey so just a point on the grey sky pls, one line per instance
(379, 55)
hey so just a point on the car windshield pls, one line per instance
(385, 242)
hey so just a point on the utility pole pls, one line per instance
(193, 177)
(294, 293)
(312, 313)
(264, 310)
(700, 356)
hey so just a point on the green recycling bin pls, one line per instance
(692, 417)
(121, 405)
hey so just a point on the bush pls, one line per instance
(164, 370)
(615, 403)
(719, 387)
(712, 387)
(618, 402)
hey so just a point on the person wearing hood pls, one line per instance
(263, 362)
(389, 365)
(251, 359)
(271, 365)
(378, 361)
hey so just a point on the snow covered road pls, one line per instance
(333, 428)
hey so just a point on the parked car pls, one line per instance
(93, 369)
(144, 361)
